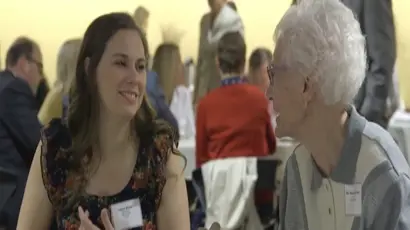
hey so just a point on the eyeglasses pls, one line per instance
(271, 72)
(37, 63)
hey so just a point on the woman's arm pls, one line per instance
(173, 211)
(36, 209)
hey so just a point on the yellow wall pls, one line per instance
(402, 9)
(50, 22)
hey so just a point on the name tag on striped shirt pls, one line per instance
(353, 199)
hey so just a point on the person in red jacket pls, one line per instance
(233, 120)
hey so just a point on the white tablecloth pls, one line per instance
(187, 148)
(399, 128)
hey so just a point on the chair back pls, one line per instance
(199, 187)
(267, 168)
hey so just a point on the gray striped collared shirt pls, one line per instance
(369, 189)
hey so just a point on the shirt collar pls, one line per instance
(232, 81)
(345, 170)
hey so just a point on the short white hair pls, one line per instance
(322, 39)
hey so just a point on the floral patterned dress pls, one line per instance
(146, 183)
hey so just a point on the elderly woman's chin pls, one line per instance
(282, 129)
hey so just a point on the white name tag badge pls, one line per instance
(353, 199)
(126, 215)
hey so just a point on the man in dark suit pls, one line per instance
(19, 126)
(377, 22)
(42, 91)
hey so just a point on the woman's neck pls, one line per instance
(252, 77)
(114, 135)
(324, 138)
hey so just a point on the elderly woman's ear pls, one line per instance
(309, 89)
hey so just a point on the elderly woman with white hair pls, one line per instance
(347, 172)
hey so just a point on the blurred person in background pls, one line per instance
(347, 172)
(141, 18)
(112, 154)
(232, 5)
(377, 91)
(157, 100)
(42, 91)
(19, 126)
(161, 81)
(233, 120)
(181, 103)
(155, 92)
(258, 62)
(221, 19)
(54, 105)
(168, 65)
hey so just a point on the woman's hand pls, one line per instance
(86, 223)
